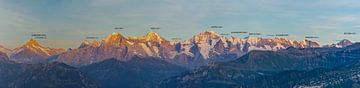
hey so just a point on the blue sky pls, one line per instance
(68, 22)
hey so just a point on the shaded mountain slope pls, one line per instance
(135, 73)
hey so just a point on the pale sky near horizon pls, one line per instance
(67, 22)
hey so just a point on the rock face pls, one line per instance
(246, 70)
(119, 47)
(32, 52)
(135, 73)
(198, 51)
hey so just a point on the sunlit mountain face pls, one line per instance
(198, 51)
(179, 44)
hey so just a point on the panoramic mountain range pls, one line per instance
(205, 60)
(198, 51)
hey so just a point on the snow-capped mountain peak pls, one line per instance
(341, 44)
(32, 42)
(344, 43)
(203, 47)
(34, 46)
(308, 43)
(114, 38)
(33, 52)
(209, 37)
(281, 39)
(153, 36)
(85, 42)
(150, 36)
(208, 34)
(252, 39)
(89, 43)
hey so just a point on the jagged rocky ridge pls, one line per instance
(32, 52)
(198, 51)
